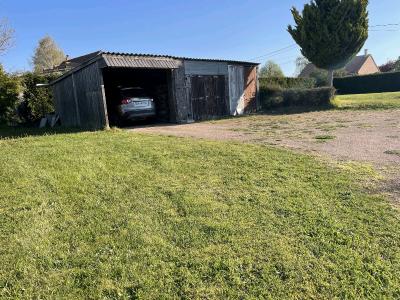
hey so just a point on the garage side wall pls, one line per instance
(90, 97)
(79, 99)
(250, 89)
(64, 101)
(243, 88)
(180, 105)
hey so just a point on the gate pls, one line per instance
(208, 97)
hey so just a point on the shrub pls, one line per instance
(9, 92)
(318, 97)
(271, 96)
(288, 82)
(37, 101)
(375, 83)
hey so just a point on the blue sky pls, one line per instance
(231, 29)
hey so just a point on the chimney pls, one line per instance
(366, 52)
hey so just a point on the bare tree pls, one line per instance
(6, 36)
(47, 55)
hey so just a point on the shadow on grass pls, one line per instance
(15, 132)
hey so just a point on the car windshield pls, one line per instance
(133, 93)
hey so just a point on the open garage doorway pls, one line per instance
(138, 96)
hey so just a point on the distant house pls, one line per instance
(359, 65)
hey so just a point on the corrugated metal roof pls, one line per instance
(135, 61)
(152, 56)
(138, 60)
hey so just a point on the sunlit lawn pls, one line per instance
(368, 101)
(117, 215)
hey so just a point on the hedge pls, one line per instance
(37, 101)
(375, 83)
(288, 82)
(276, 97)
(9, 95)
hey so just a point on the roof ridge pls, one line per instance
(176, 57)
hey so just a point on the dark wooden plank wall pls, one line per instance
(208, 97)
(181, 105)
(80, 99)
(64, 101)
(89, 92)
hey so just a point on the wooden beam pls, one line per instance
(76, 100)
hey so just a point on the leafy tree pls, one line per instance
(271, 69)
(331, 32)
(9, 92)
(37, 101)
(390, 66)
(47, 55)
(6, 36)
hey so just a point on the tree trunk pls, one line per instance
(330, 78)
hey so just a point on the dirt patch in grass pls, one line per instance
(360, 135)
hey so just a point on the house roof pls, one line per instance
(353, 67)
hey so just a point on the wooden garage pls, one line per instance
(185, 89)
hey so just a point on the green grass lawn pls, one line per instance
(117, 215)
(368, 101)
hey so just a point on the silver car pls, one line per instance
(136, 104)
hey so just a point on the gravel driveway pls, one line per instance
(363, 136)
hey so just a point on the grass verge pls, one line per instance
(368, 101)
(119, 215)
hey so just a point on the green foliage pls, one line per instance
(331, 32)
(287, 82)
(271, 69)
(47, 55)
(9, 92)
(321, 76)
(374, 83)
(118, 215)
(390, 66)
(276, 97)
(38, 101)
